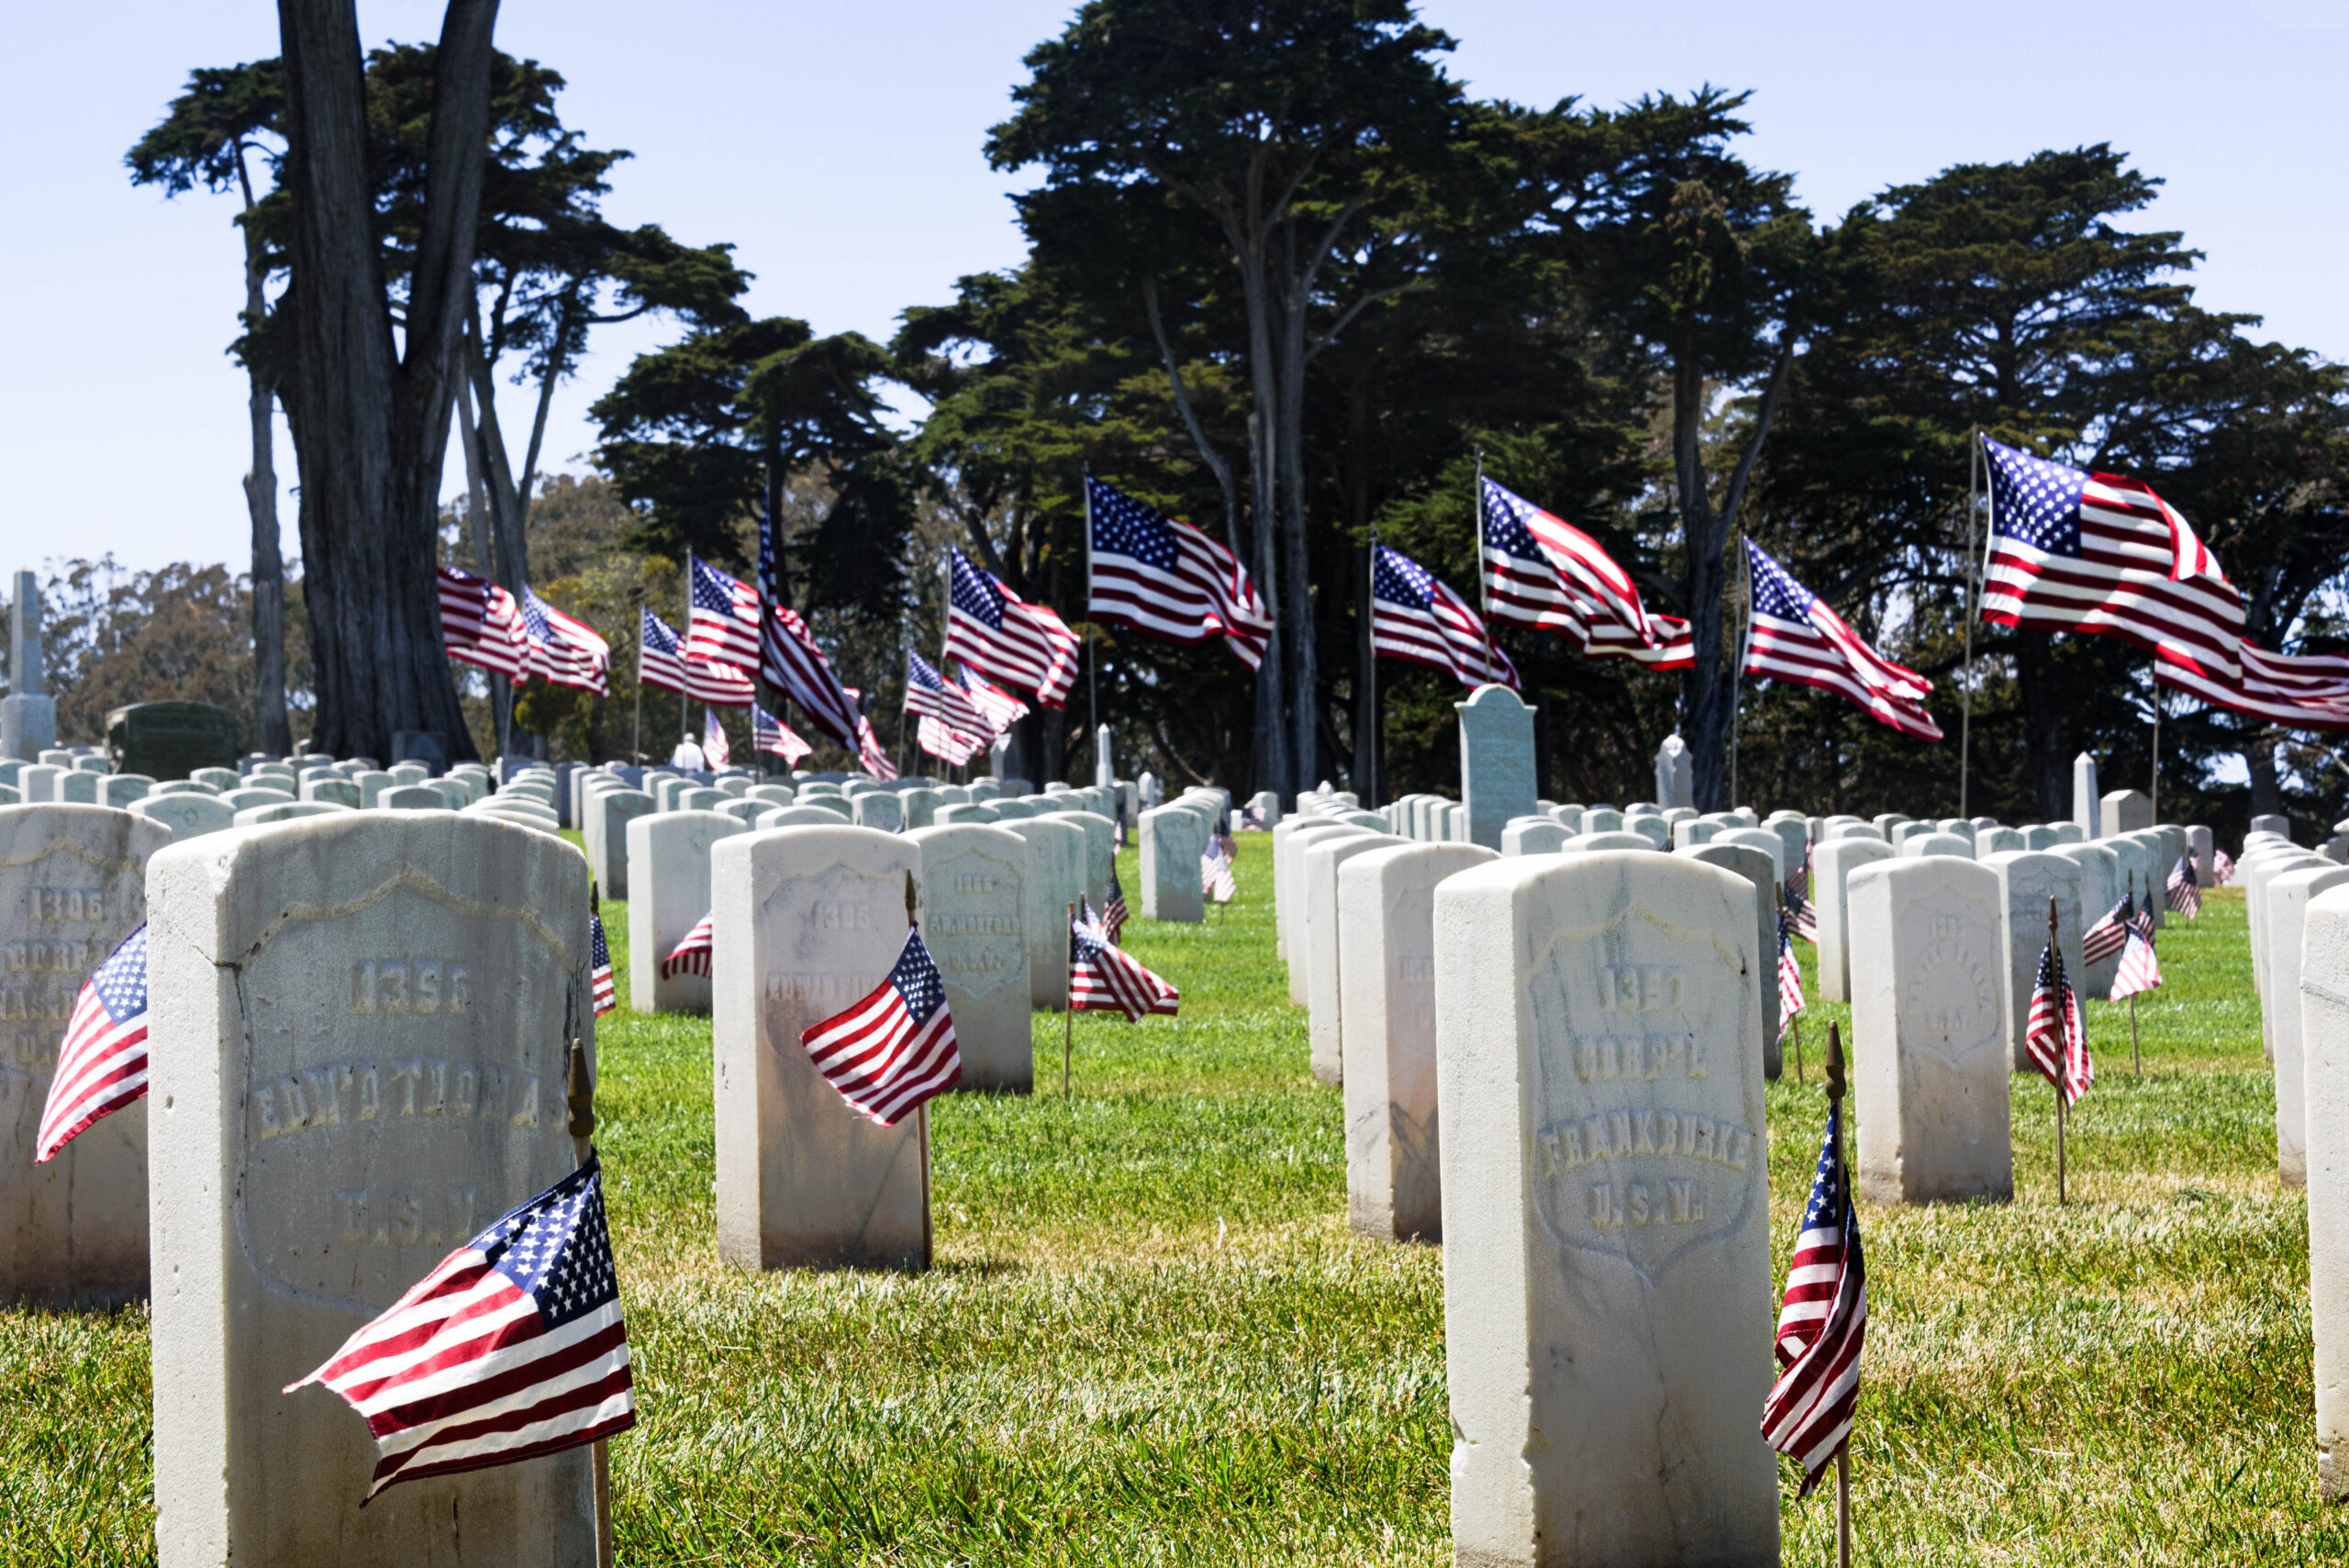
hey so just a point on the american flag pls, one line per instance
(1002, 709)
(2056, 1042)
(1822, 1322)
(949, 746)
(1165, 579)
(797, 667)
(1001, 635)
(1215, 874)
(1789, 972)
(1415, 617)
(1542, 571)
(768, 734)
(1793, 636)
(1802, 916)
(714, 748)
(2185, 890)
(2111, 934)
(2298, 691)
(869, 751)
(1103, 977)
(894, 1049)
(2072, 551)
(102, 1061)
(1113, 913)
(929, 695)
(662, 663)
(481, 624)
(565, 651)
(511, 1348)
(722, 619)
(599, 967)
(2138, 971)
(691, 956)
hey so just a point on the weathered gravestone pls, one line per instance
(186, 816)
(809, 921)
(412, 798)
(1946, 845)
(169, 740)
(120, 789)
(1496, 761)
(2272, 822)
(1606, 1247)
(76, 787)
(333, 791)
(2027, 879)
(797, 816)
(1752, 862)
(879, 810)
(1386, 985)
(976, 900)
(72, 1232)
(2124, 811)
(1172, 839)
(288, 811)
(1100, 832)
(2324, 1033)
(1930, 1078)
(1325, 1020)
(1534, 836)
(1288, 891)
(1676, 774)
(2087, 806)
(1055, 881)
(668, 879)
(2099, 891)
(1830, 871)
(608, 815)
(362, 1023)
(2289, 894)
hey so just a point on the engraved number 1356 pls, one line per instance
(409, 986)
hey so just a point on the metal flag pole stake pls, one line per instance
(579, 1097)
(1068, 1028)
(1843, 1451)
(1965, 686)
(2063, 1069)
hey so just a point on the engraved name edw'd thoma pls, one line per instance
(1644, 1151)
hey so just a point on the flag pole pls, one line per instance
(636, 722)
(1965, 687)
(1483, 589)
(579, 1097)
(2155, 790)
(1068, 1028)
(1092, 632)
(1844, 1449)
(1737, 670)
(2136, 1063)
(1369, 645)
(2063, 1070)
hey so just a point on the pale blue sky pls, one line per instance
(838, 146)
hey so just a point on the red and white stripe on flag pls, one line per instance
(2138, 971)
(101, 1062)
(563, 649)
(771, 735)
(2053, 1035)
(1002, 709)
(720, 685)
(1165, 579)
(1005, 638)
(1103, 977)
(512, 1347)
(691, 956)
(599, 966)
(1413, 617)
(1789, 975)
(1542, 571)
(893, 1048)
(870, 752)
(949, 746)
(722, 619)
(2297, 691)
(1822, 1321)
(797, 667)
(482, 624)
(2072, 550)
(1792, 635)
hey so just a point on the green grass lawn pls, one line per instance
(1150, 1337)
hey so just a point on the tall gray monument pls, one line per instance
(1675, 779)
(2086, 804)
(28, 714)
(1496, 761)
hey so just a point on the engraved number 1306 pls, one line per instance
(409, 986)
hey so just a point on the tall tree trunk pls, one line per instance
(371, 426)
(272, 732)
(2047, 761)
(1275, 681)
(1304, 673)
(2259, 761)
(484, 531)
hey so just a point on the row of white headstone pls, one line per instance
(361, 1019)
(1610, 1004)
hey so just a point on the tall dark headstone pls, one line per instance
(169, 740)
